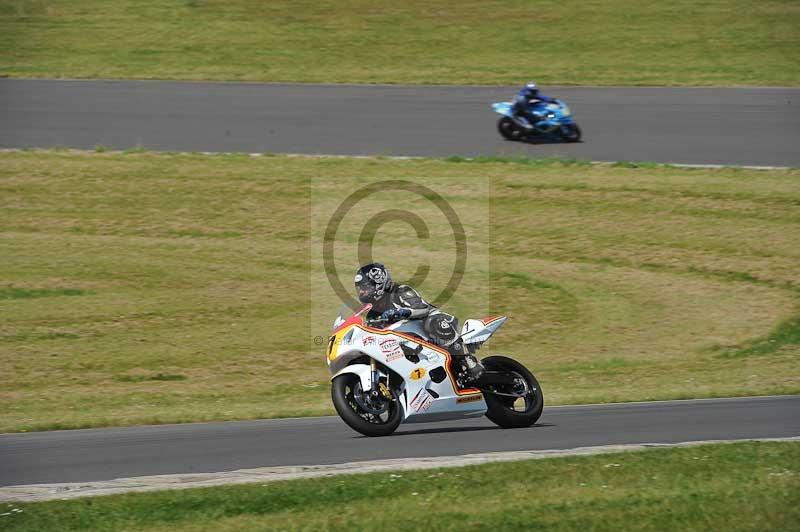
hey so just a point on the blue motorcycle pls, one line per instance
(554, 122)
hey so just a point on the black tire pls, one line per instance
(508, 129)
(501, 410)
(573, 133)
(360, 420)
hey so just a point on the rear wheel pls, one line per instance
(517, 404)
(508, 129)
(572, 133)
(363, 412)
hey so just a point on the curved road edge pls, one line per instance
(397, 158)
(61, 464)
(73, 490)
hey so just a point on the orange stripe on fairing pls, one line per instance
(487, 321)
(418, 340)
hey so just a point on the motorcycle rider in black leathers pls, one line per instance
(392, 302)
(526, 98)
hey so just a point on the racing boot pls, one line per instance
(469, 368)
(523, 121)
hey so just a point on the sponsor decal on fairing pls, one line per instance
(431, 356)
(391, 348)
(421, 401)
(417, 374)
(469, 399)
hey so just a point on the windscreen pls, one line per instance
(341, 316)
(345, 312)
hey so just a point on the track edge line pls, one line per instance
(73, 490)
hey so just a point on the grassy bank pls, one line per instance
(152, 288)
(625, 42)
(746, 486)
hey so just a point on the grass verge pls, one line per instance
(625, 42)
(743, 486)
(158, 288)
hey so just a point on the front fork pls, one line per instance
(377, 387)
(374, 375)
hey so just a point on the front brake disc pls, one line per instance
(368, 403)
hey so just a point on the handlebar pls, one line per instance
(377, 322)
(381, 322)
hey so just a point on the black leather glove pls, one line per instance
(394, 314)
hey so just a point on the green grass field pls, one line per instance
(154, 288)
(624, 42)
(735, 487)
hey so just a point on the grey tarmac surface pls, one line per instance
(729, 126)
(104, 454)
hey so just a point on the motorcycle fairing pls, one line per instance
(422, 398)
(554, 115)
(478, 331)
(503, 108)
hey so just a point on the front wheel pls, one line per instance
(571, 133)
(518, 404)
(371, 416)
(508, 129)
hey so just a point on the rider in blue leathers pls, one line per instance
(524, 101)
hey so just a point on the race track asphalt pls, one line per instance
(729, 126)
(695, 126)
(103, 454)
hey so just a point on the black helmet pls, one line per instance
(372, 281)
(531, 89)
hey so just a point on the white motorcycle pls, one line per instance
(384, 375)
